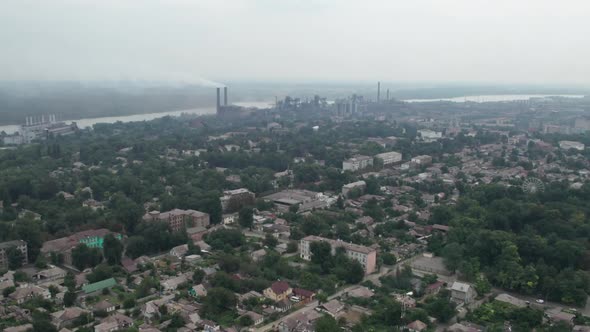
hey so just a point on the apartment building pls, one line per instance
(357, 163)
(389, 158)
(93, 238)
(364, 255)
(233, 200)
(179, 219)
(5, 246)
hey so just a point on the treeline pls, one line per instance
(534, 244)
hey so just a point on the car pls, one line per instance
(540, 301)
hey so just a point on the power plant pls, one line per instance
(225, 108)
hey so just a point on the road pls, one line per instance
(312, 305)
(262, 236)
(547, 305)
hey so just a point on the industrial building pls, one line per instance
(41, 127)
(225, 109)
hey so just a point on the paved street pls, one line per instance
(313, 304)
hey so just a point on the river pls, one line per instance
(85, 123)
(489, 98)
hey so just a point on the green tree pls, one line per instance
(326, 324)
(112, 249)
(70, 281)
(15, 258)
(198, 276)
(292, 247)
(246, 217)
(83, 256)
(217, 302)
(270, 241)
(69, 298)
(245, 320)
(452, 254)
(321, 254)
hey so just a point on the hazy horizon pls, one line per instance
(422, 41)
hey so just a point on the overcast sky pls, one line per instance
(513, 41)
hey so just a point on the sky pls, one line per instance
(503, 41)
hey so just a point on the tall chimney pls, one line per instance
(387, 94)
(218, 99)
(225, 96)
(378, 91)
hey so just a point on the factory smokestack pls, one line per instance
(218, 99)
(378, 91)
(387, 94)
(225, 96)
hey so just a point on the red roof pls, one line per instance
(304, 293)
(435, 285)
(280, 287)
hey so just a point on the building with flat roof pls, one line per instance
(428, 135)
(178, 219)
(357, 163)
(567, 145)
(389, 158)
(422, 160)
(5, 247)
(359, 185)
(234, 200)
(93, 238)
(364, 255)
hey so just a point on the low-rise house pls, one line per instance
(303, 295)
(361, 292)
(258, 255)
(417, 326)
(278, 291)
(282, 305)
(50, 275)
(179, 251)
(333, 307)
(462, 292)
(198, 291)
(173, 283)
(196, 233)
(358, 186)
(303, 322)
(256, 318)
(129, 265)
(556, 315)
(68, 316)
(26, 292)
(406, 301)
(114, 323)
(20, 328)
(105, 306)
(210, 326)
(434, 288)
(465, 327)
